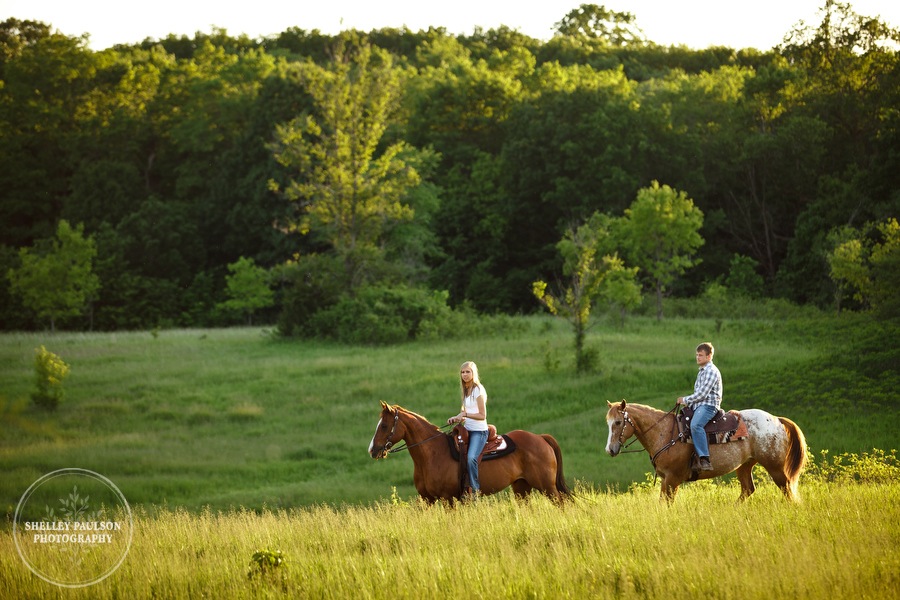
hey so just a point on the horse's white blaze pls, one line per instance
(372, 443)
(609, 438)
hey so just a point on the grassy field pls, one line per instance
(236, 418)
(840, 543)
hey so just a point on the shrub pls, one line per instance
(742, 277)
(49, 371)
(877, 467)
(381, 315)
(551, 360)
(588, 360)
(720, 302)
(265, 562)
(310, 284)
(248, 288)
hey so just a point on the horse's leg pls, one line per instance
(774, 466)
(521, 488)
(668, 488)
(745, 476)
(536, 465)
(551, 492)
(545, 481)
(781, 480)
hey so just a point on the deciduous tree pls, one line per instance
(56, 279)
(248, 288)
(591, 275)
(661, 231)
(867, 264)
(594, 22)
(347, 185)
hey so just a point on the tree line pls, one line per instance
(215, 179)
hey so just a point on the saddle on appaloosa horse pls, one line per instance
(724, 427)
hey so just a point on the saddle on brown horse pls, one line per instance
(496, 446)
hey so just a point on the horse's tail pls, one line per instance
(561, 486)
(796, 457)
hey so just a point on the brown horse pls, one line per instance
(536, 464)
(774, 442)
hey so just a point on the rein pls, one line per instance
(671, 443)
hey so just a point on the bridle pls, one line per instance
(634, 426)
(388, 445)
(627, 419)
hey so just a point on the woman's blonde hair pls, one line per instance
(475, 379)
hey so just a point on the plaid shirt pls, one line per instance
(707, 389)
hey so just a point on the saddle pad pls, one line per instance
(741, 433)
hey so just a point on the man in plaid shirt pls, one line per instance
(705, 401)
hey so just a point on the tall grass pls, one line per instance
(841, 542)
(238, 418)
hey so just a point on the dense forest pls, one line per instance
(175, 173)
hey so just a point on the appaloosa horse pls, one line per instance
(774, 442)
(536, 463)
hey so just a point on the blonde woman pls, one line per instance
(473, 416)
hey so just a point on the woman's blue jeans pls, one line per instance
(477, 440)
(702, 416)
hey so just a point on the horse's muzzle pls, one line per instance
(379, 453)
(613, 449)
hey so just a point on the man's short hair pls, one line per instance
(707, 348)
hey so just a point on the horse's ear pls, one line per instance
(609, 404)
(622, 406)
(383, 405)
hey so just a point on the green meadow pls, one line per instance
(228, 443)
(240, 418)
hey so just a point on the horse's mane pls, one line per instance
(416, 416)
(646, 406)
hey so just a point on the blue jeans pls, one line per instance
(702, 416)
(477, 440)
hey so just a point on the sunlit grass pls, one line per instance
(841, 542)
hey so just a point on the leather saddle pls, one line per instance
(496, 446)
(724, 427)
